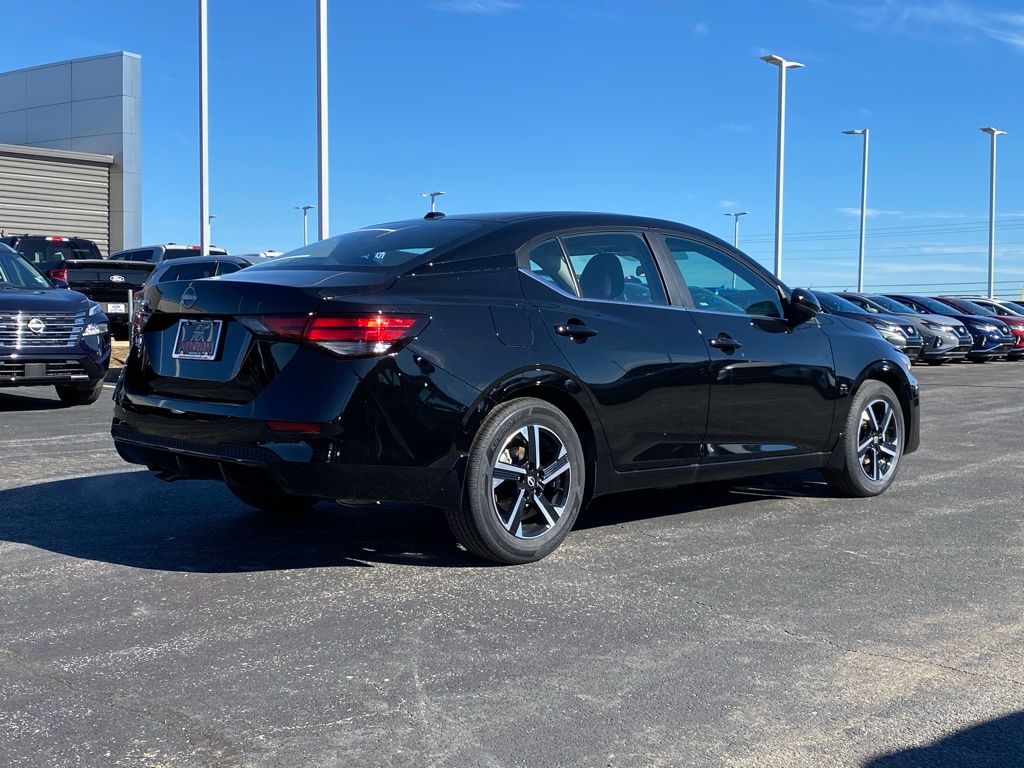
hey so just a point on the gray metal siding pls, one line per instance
(55, 197)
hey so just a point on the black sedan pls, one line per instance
(507, 368)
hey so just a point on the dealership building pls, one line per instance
(70, 140)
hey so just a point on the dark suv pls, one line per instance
(48, 335)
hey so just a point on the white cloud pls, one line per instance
(915, 16)
(491, 7)
(870, 212)
(701, 29)
(728, 204)
(920, 268)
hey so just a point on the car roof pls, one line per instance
(167, 263)
(558, 219)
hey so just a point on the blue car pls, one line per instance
(992, 337)
(50, 335)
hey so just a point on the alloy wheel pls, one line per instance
(878, 440)
(530, 481)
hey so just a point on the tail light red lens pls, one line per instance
(345, 335)
(61, 273)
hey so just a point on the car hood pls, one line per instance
(41, 300)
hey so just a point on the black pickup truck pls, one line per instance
(77, 262)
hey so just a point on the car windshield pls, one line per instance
(382, 247)
(934, 306)
(834, 303)
(15, 272)
(1016, 306)
(890, 304)
(974, 309)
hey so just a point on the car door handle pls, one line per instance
(575, 331)
(724, 342)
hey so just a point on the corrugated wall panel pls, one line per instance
(55, 197)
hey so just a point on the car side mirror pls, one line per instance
(58, 283)
(802, 305)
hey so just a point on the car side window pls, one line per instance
(720, 283)
(548, 263)
(226, 268)
(615, 266)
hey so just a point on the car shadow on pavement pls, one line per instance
(10, 403)
(133, 519)
(997, 743)
(641, 505)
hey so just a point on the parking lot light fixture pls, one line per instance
(993, 132)
(305, 212)
(780, 154)
(204, 152)
(736, 227)
(322, 122)
(863, 204)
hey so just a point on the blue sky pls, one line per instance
(655, 107)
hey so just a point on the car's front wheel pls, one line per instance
(873, 443)
(72, 394)
(524, 486)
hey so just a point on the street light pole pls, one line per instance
(780, 154)
(736, 227)
(204, 154)
(305, 210)
(863, 204)
(323, 184)
(993, 132)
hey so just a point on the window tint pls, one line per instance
(834, 303)
(143, 254)
(226, 268)
(547, 262)
(189, 272)
(720, 283)
(382, 247)
(39, 249)
(615, 266)
(84, 249)
(15, 273)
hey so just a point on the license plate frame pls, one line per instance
(204, 348)
(115, 308)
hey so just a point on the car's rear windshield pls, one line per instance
(40, 249)
(16, 273)
(382, 247)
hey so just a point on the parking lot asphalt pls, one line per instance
(762, 624)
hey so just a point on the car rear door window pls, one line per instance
(720, 283)
(226, 268)
(615, 266)
(549, 263)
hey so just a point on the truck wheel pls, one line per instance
(72, 394)
(524, 483)
(873, 443)
(268, 500)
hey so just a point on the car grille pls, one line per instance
(13, 370)
(56, 329)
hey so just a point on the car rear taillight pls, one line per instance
(61, 273)
(345, 335)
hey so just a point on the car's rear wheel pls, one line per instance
(524, 486)
(73, 394)
(874, 442)
(269, 500)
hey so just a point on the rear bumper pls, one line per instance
(300, 467)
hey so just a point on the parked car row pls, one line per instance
(936, 330)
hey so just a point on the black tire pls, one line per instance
(272, 501)
(73, 394)
(524, 532)
(855, 478)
